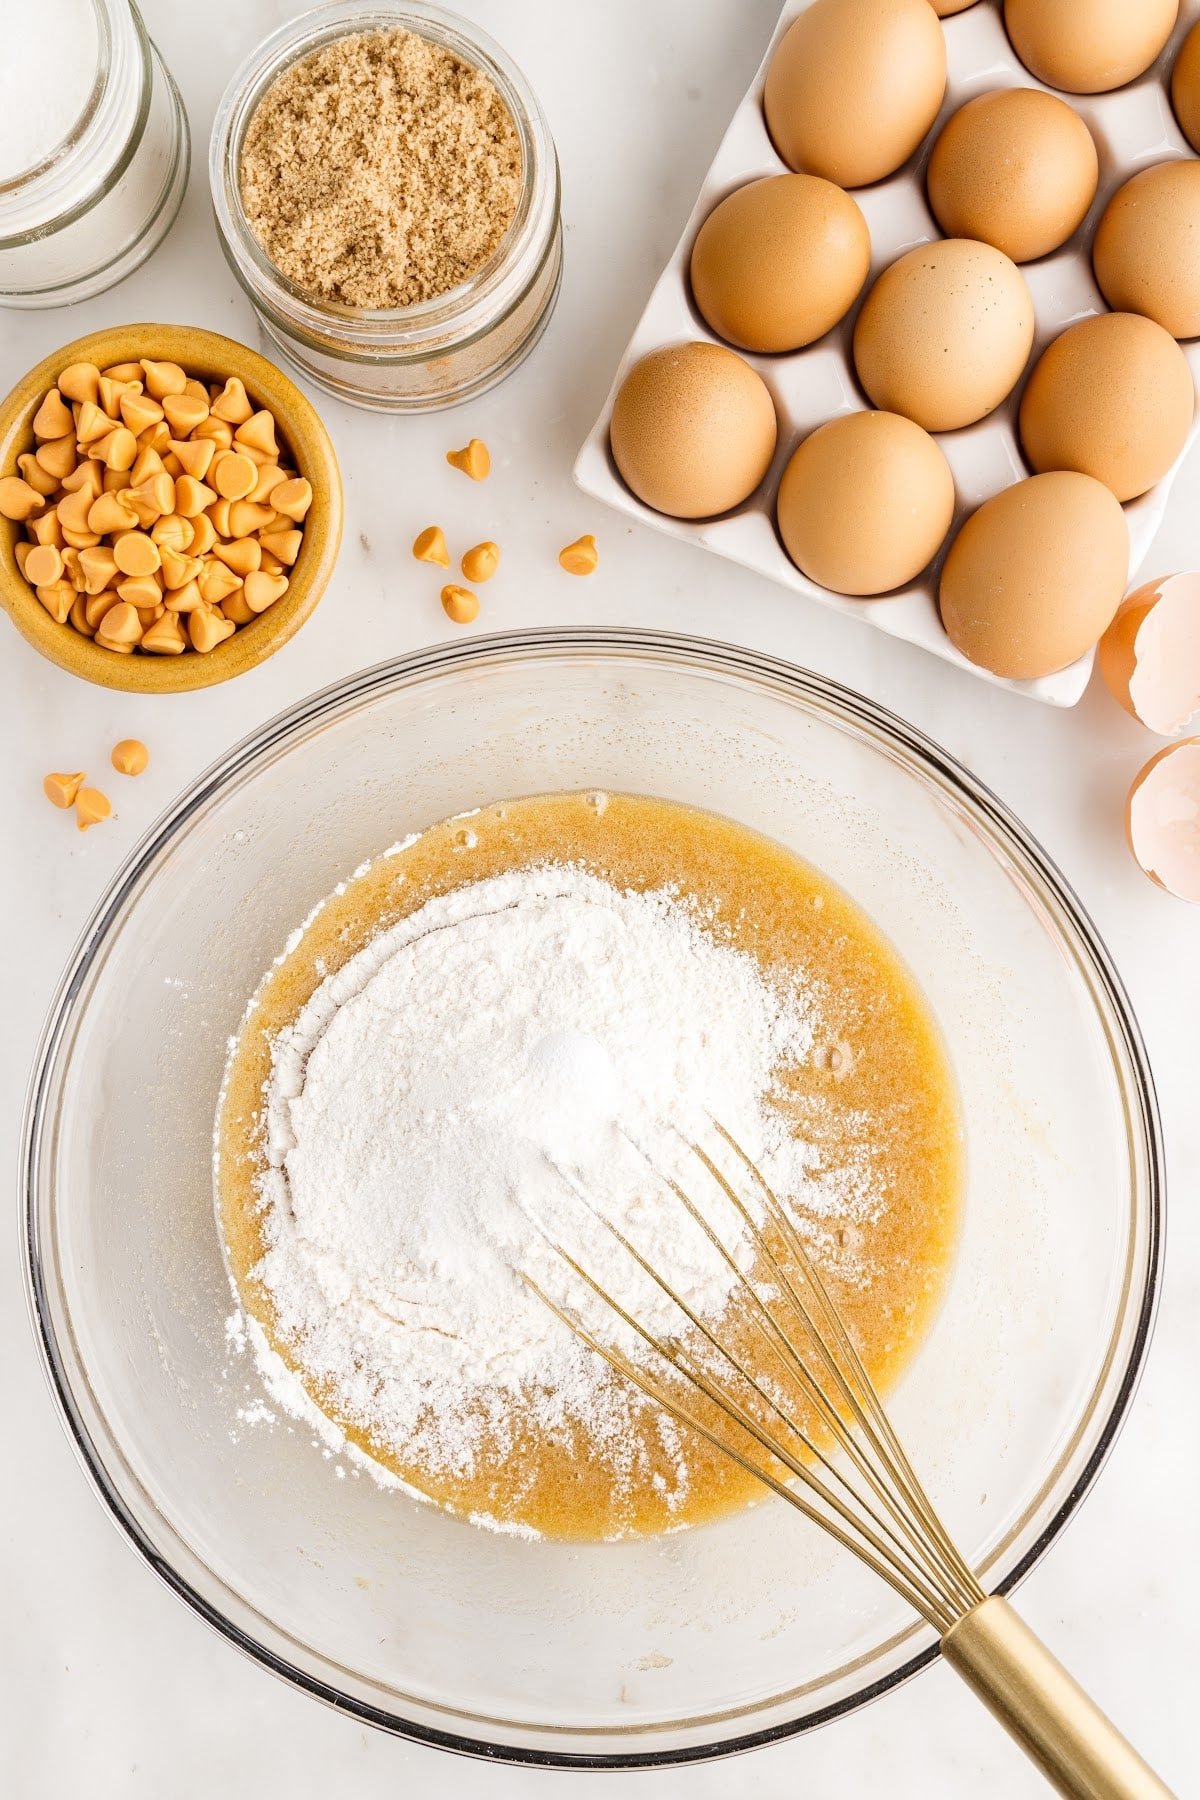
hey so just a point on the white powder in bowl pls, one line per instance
(438, 1105)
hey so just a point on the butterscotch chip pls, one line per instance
(258, 433)
(430, 546)
(80, 382)
(130, 756)
(581, 557)
(481, 561)
(18, 500)
(460, 604)
(43, 565)
(262, 590)
(52, 419)
(136, 553)
(166, 637)
(120, 625)
(474, 460)
(60, 790)
(233, 476)
(163, 378)
(207, 629)
(91, 807)
(232, 403)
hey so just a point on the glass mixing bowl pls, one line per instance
(649, 1651)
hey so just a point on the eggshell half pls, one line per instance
(693, 430)
(1035, 575)
(865, 503)
(777, 263)
(1146, 254)
(944, 333)
(1150, 654)
(1162, 819)
(1112, 397)
(1089, 46)
(854, 86)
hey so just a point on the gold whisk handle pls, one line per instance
(1076, 1747)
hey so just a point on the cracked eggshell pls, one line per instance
(1162, 819)
(1150, 654)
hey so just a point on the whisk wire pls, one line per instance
(874, 1422)
(861, 1525)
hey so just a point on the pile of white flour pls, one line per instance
(437, 1107)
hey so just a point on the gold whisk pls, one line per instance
(845, 1469)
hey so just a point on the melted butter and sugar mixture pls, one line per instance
(500, 1034)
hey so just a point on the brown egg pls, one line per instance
(1185, 87)
(854, 86)
(1113, 398)
(944, 333)
(778, 263)
(1089, 46)
(1147, 249)
(1162, 819)
(865, 503)
(693, 430)
(1035, 575)
(1017, 169)
(945, 9)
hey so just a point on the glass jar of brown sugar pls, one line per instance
(381, 286)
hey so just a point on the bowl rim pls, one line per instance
(202, 352)
(703, 655)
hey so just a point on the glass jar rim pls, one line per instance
(472, 306)
(39, 198)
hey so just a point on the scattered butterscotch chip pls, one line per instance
(460, 604)
(60, 790)
(430, 546)
(481, 561)
(581, 557)
(130, 756)
(474, 461)
(91, 806)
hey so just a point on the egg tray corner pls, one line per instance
(1133, 127)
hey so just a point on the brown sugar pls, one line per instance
(380, 171)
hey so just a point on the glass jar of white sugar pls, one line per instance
(93, 150)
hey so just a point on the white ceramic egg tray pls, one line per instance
(1133, 127)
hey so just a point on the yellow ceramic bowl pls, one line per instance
(212, 358)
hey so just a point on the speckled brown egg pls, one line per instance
(693, 430)
(1033, 577)
(1147, 249)
(777, 263)
(1185, 87)
(1112, 397)
(944, 333)
(1089, 46)
(865, 503)
(854, 86)
(1016, 168)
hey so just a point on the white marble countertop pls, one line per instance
(108, 1686)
